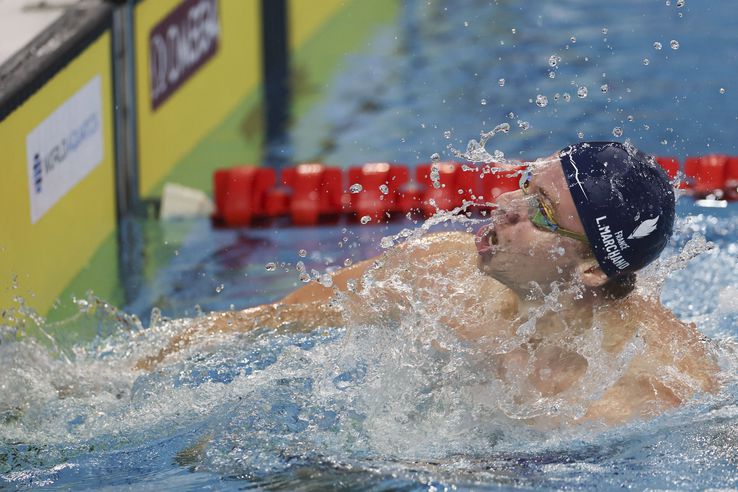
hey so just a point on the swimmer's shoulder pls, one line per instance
(456, 242)
(668, 341)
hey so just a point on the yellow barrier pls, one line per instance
(306, 17)
(57, 194)
(169, 126)
(198, 70)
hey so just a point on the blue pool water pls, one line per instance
(373, 407)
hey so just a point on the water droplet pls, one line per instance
(523, 125)
(630, 117)
(155, 317)
(656, 45)
(384, 189)
(582, 92)
(466, 23)
(617, 131)
(326, 280)
(566, 97)
(302, 253)
(674, 44)
(304, 277)
(646, 61)
(573, 39)
(552, 75)
(580, 134)
(386, 242)
(435, 176)
(511, 115)
(447, 134)
(722, 90)
(514, 31)
(553, 61)
(356, 188)
(435, 157)
(483, 102)
(557, 96)
(365, 219)
(604, 88)
(219, 288)
(271, 266)
(501, 128)
(604, 30)
(541, 101)
(300, 266)
(680, 3)
(501, 82)
(347, 262)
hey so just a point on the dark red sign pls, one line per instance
(180, 44)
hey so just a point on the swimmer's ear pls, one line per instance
(591, 274)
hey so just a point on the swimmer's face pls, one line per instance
(522, 255)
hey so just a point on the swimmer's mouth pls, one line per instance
(486, 239)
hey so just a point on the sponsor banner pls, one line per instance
(64, 148)
(180, 44)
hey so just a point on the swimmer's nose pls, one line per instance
(511, 208)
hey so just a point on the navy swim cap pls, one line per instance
(624, 200)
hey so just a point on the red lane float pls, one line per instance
(277, 202)
(706, 174)
(380, 184)
(441, 191)
(240, 194)
(316, 192)
(731, 179)
(310, 192)
(495, 182)
(670, 165)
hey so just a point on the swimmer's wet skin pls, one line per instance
(555, 266)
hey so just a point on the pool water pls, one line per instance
(376, 406)
(353, 406)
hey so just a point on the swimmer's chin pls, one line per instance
(483, 262)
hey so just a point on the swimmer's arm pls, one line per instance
(315, 292)
(393, 265)
(286, 317)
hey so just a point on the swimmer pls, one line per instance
(555, 266)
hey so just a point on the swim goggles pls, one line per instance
(541, 214)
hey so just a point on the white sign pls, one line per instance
(65, 148)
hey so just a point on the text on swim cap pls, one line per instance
(613, 244)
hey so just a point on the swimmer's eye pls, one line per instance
(547, 213)
(525, 180)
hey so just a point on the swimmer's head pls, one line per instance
(624, 200)
(611, 211)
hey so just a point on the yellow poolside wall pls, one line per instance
(42, 256)
(169, 132)
(38, 259)
(306, 17)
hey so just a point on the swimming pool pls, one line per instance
(340, 408)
